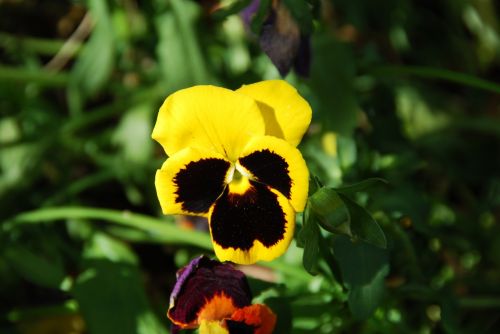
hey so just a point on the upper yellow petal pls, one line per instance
(287, 115)
(208, 117)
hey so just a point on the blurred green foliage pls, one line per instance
(401, 233)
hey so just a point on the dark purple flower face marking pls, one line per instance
(269, 168)
(200, 183)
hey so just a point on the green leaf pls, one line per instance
(360, 186)
(102, 246)
(301, 12)
(332, 81)
(363, 268)
(178, 51)
(363, 300)
(133, 134)
(95, 63)
(449, 315)
(309, 236)
(35, 268)
(281, 307)
(329, 209)
(110, 291)
(260, 16)
(363, 226)
(314, 184)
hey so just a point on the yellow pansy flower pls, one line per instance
(233, 159)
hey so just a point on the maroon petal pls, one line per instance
(207, 289)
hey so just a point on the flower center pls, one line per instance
(237, 176)
(238, 180)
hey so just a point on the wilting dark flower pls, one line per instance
(281, 39)
(216, 297)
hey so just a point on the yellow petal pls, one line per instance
(208, 117)
(190, 181)
(212, 327)
(278, 164)
(250, 226)
(286, 113)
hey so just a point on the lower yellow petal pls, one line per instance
(286, 113)
(251, 226)
(278, 164)
(190, 181)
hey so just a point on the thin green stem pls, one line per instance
(42, 77)
(158, 230)
(78, 186)
(42, 46)
(438, 74)
(479, 302)
(20, 314)
(96, 115)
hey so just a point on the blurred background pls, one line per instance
(402, 90)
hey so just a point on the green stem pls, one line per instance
(78, 186)
(192, 49)
(159, 230)
(96, 115)
(45, 78)
(480, 302)
(26, 314)
(42, 46)
(438, 74)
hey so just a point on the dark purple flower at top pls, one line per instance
(281, 38)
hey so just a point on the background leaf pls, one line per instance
(95, 63)
(35, 268)
(363, 226)
(363, 268)
(351, 189)
(329, 209)
(332, 79)
(309, 236)
(109, 291)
